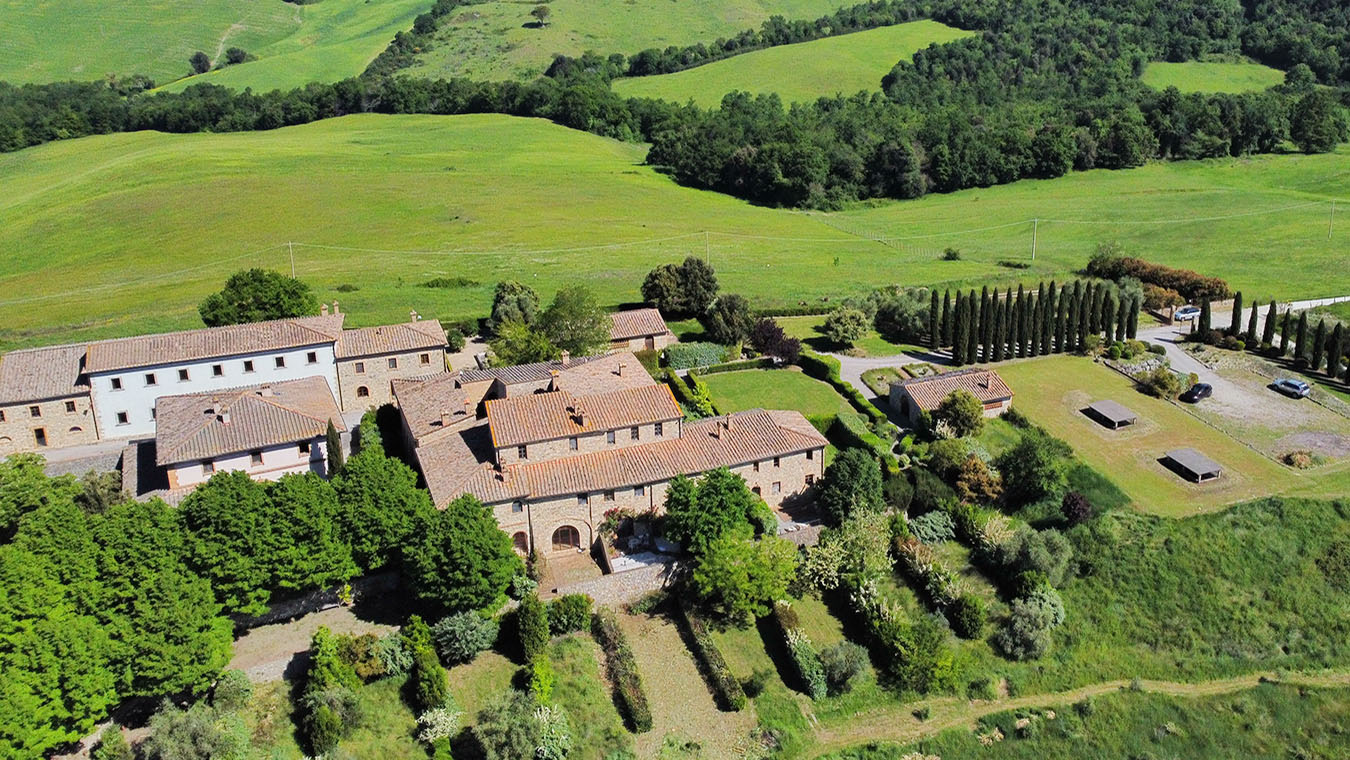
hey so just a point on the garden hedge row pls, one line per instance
(622, 670)
(805, 658)
(848, 431)
(725, 688)
(695, 354)
(826, 368)
(762, 362)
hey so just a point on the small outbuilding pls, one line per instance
(1111, 414)
(915, 396)
(1192, 465)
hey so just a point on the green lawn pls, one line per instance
(87, 39)
(800, 72)
(500, 40)
(1197, 76)
(807, 330)
(1053, 391)
(775, 389)
(121, 234)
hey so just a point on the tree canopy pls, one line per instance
(574, 322)
(257, 295)
(458, 558)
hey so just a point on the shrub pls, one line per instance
(695, 354)
(1076, 508)
(930, 492)
(555, 734)
(1188, 284)
(323, 730)
(232, 691)
(542, 679)
(724, 686)
(933, 527)
(897, 492)
(754, 685)
(1161, 382)
(843, 663)
(1047, 552)
(568, 614)
(1013, 416)
(532, 624)
(1301, 459)
(1157, 349)
(428, 684)
(975, 483)
(951, 254)
(394, 654)
(845, 326)
(621, 668)
(805, 660)
(946, 456)
(522, 585)
(360, 653)
(437, 725)
(455, 340)
(982, 688)
(967, 616)
(1035, 467)
(1027, 634)
(1115, 352)
(112, 743)
(459, 638)
(962, 412)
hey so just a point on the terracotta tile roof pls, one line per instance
(559, 414)
(422, 402)
(636, 323)
(34, 374)
(230, 340)
(524, 373)
(604, 373)
(928, 392)
(390, 339)
(754, 435)
(192, 427)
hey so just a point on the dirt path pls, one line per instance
(237, 26)
(896, 723)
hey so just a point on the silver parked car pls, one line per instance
(1292, 388)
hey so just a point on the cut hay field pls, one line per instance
(499, 40)
(295, 44)
(800, 72)
(126, 233)
(1199, 76)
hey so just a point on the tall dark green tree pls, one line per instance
(575, 322)
(1335, 350)
(513, 301)
(1318, 346)
(1235, 328)
(458, 559)
(1268, 330)
(973, 336)
(1301, 337)
(233, 540)
(1094, 312)
(1132, 330)
(1000, 328)
(958, 331)
(313, 551)
(1123, 317)
(1250, 336)
(1284, 333)
(947, 317)
(852, 484)
(1108, 316)
(1049, 313)
(1062, 318)
(333, 445)
(381, 506)
(1084, 310)
(257, 295)
(934, 326)
(986, 325)
(1205, 319)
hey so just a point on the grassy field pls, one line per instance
(1198, 76)
(122, 234)
(500, 40)
(1053, 391)
(806, 329)
(774, 389)
(332, 40)
(86, 39)
(800, 72)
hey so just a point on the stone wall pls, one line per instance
(543, 451)
(374, 374)
(63, 422)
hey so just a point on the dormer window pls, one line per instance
(634, 433)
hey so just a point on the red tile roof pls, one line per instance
(390, 339)
(984, 384)
(211, 342)
(560, 414)
(636, 323)
(35, 374)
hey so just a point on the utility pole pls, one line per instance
(1035, 223)
(1331, 219)
(291, 247)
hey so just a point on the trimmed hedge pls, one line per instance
(568, 613)
(795, 311)
(695, 354)
(763, 362)
(848, 431)
(826, 368)
(696, 400)
(724, 686)
(622, 670)
(805, 658)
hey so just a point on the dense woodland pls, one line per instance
(1048, 87)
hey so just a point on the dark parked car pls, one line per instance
(1292, 388)
(1197, 392)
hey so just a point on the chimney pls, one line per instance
(413, 316)
(266, 391)
(323, 309)
(726, 423)
(445, 419)
(224, 416)
(336, 310)
(581, 415)
(566, 355)
(467, 406)
(621, 366)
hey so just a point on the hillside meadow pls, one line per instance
(295, 44)
(500, 40)
(801, 72)
(126, 233)
(1204, 76)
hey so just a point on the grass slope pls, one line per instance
(499, 40)
(801, 72)
(121, 234)
(1198, 76)
(334, 39)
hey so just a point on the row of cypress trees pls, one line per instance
(1321, 352)
(995, 326)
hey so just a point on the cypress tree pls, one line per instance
(934, 327)
(1014, 315)
(1062, 317)
(1108, 317)
(1000, 329)
(1319, 344)
(1251, 326)
(973, 334)
(333, 443)
(1048, 318)
(1205, 327)
(1037, 319)
(986, 323)
(1024, 323)
(1268, 330)
(1235, 328)
(1094, 315)
(958, 332)
(1284, 335)
(1123, 318)
(1335, 350)
(947, 317)
(1301, 336)
(1084, 308)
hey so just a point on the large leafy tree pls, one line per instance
(575, 322)
(1317, 123)
(381, 506)
(255, 295)
(739, 577)
(845, 326)
(233, 540)
(314, 553)
(459, 559)
(729, 320)
(699, 513)
(1034, 468)
(851, 485)
(164, 619)
(519, 343)
(24, 486)
(513, 301)
(769, 339)
(687, 289)
(962, 412)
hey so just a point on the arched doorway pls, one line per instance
(521, 542)
(566, 537)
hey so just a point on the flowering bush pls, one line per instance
(436, 724)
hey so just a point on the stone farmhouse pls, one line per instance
(69, 395)
(551, 447)
(917, 395)
(639, 330)
(264, 430)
